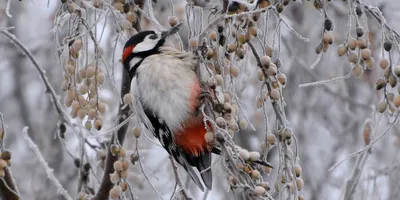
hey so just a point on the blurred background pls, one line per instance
(326, 119)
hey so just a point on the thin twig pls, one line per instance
(43, 162)
(369, 145)
(49, 89)
(178, 178)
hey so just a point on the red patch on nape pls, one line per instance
(127, 52)
(191, 138)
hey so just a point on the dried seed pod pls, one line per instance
(259, 191)
(265, 185)
(282, 79)
(260, 75)
(254, 156)
(370, 63)
(382, 105)
(172, 21)
(298, 170)
(3, 164)
(233, 126)
(83, 89)
(213, 35)
(235, 71)
(286, 133)
(357, 70)
(396, 101)
(75, 105)
(279, 7)
(93, 102)
(115, 192)
(119, 6)
(328, 24)
(392, 80)
(137, 132)
(5, 154)
(70, 8)
(100, 77)
(390, 96)
(88, 124)
(360, 31)
(274, 94)
(219, 80)
(367, 131)
(209, 137)
(387, 46)
(244, 154)
(380, 83)
(70, 94)
(98, 124)
(328, 39)
(325, 47)
(365, 54)
(101, 107)
(362, 43)
(269, 51)
(253, 31)
(124, 186)
(192, 43)
(358, 10)
(255, 174)
(272, 69)
(265, 61)
(114, 148)
(397, 70)
(240, 53)
(243, 124)
(352, 44)
(81, 113)
(299, 183)
(122, 154)
(232, 47)
(353, 58)
(70, 69)
(90, 70)
(318, 48)
(124, 174)
(117, 166)
(128, 99)
(241, 38)
(384, 63)
(271, 139)
(131, 17)
(77, 45)
(342, 49)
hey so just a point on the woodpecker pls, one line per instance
(166, 92)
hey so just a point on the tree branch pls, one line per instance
(124, 112)
(8, 189)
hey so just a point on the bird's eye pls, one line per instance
(153, 36)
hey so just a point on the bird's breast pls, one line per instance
(169, 88)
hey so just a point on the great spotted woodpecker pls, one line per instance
(166, 94)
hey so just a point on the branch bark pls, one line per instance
(8, 189)
(106, 185)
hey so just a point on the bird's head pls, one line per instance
(143, 44)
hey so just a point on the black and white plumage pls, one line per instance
(165, 93)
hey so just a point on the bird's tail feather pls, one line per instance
(203, 165)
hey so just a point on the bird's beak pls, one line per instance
(171, 31)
